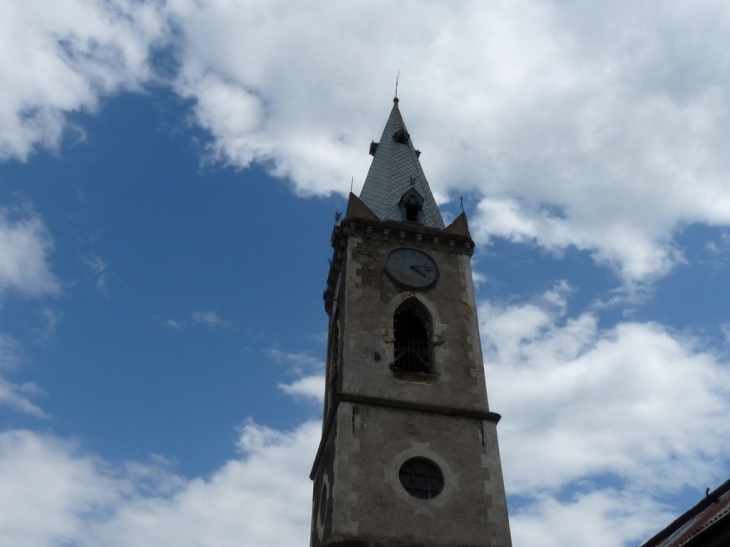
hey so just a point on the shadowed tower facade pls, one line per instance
(409, 453)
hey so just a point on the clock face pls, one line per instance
(411, 267)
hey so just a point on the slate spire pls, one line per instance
(394, 173)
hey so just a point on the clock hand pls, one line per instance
(418, 270)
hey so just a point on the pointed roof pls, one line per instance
(395, 170)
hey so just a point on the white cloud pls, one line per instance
(599, 427)
(636, 254)
(600, 519)
(99, 268)
(264, 498)
(725, 329)
(208, 318)
(24, 248)
(604, 128)
(49, 490)
(299, 361)
(637, 405)
(308, 387)
(52, 493)
(63, 56)
(16, 396)
(601, 128)
(310, 384)
(9, 353)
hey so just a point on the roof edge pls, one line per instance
(356, 208)
(459, 226)
(680, 521)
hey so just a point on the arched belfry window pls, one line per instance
(411, 206)
(412, 333)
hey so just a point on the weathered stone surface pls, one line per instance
(380, 412)
(379, 417)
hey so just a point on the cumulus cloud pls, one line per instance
(62, 57)
(616, 420)
(54, 493)
(16, 396)
(630, 250)
(12, 395)
(309, 387)
(24, 248)
(588, 519)
(263, 498)
(636, 406)
(310, 384)
(601, 128)
(49, 490)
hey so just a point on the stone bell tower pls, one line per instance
(409, 453)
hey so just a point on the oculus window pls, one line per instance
(421, 478)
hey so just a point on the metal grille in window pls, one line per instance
(421, 478)
(412, 355)
(412, 345)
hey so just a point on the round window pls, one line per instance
(421, 478)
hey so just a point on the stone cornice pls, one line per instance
(401, 405)
(405, 233)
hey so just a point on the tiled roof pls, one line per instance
(395, 170)
(709, 517)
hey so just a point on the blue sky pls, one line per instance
(169, 176)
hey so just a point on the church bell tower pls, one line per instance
(409, 453)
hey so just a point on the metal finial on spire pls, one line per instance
(352, 181)
(395, 97)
